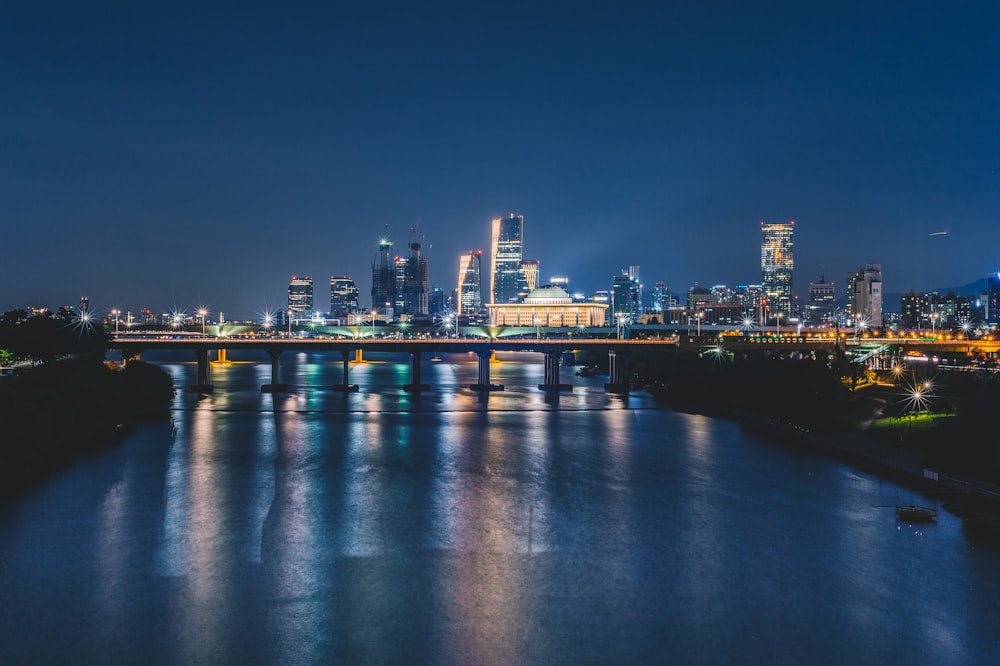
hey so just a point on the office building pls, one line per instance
(300, 297)
(626, 295)
(470, 277)
(822, 301)
(384, 278)
(864, 296)
(777, 262)
(992, 302)
(529, 277)
(506, 276)
(344, 297)
(412, 282)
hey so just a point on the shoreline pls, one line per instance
(970, 499)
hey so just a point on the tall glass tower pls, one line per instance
(344, 297)
(776, 264)
(383, 276)
(300, 297)
(470, 276)
(505, 254)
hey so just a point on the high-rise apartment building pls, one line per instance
(864, 296)
(344, 297)
(822, 300)
(470, 278)
(776, 264)
(300, 297)
(506, 247)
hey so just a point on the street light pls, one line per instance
(116, 313)
(201, 313)
(699, 317)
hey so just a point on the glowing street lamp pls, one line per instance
(201, 313)
(116, 314)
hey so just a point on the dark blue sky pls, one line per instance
(177, 155)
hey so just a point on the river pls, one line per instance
(379, 527)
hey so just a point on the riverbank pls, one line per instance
(968, 498)
(62, 410)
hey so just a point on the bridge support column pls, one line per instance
(221, 356)
(415, 386)
(346, 387)
(485, 357)
(202, 384)
(552, 360)
(275, 386)
(617, 372)
(358, 357)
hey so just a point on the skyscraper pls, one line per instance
(528, 278)
(470, 277)
(344, 297)
(993, 298)
(626, 295)
(864, 296)
(776, 264)
(822, 300)
(383, 276)
(300, 297)
(415, 284)
(505, 256)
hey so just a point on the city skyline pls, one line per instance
(154, 160)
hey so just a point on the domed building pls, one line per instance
(547, 306)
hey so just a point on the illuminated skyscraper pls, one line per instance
(344, 297)
(300, 297)
(470, 277)
(528, 278)
(505, 255)
(383, 276)
(776, 264)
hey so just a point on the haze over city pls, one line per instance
(174, 157)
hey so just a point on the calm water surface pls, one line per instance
(381, 528)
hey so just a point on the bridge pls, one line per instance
(132, 347)
(861, 349)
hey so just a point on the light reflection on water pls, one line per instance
(385, 527)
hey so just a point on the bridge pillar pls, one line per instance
(346, 387)
(485, 358)
(415, 386)
(221, 356)
(551, 383)
(358, 357)
(617, 372)
(275, 386)
(202, 384)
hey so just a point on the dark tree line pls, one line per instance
(46, 336)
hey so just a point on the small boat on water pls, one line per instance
(916, 514)
(588, 371)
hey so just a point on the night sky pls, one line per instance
(176, 156)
